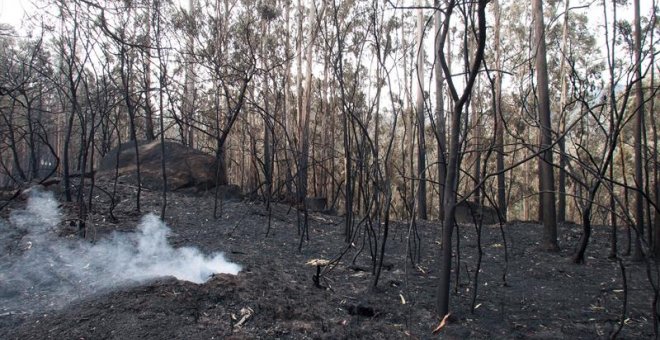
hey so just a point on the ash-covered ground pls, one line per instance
(109, 286)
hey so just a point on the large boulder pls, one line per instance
(185, 167)
(468, 212)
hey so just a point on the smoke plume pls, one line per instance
(40, 270)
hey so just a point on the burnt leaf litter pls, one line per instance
(278, 294)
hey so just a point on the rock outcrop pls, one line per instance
(468, 212)
(185, 167)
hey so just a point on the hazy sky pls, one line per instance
(12, 11)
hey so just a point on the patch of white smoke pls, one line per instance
(38, 262)
(147, 254)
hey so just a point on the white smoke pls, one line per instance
(38, 264)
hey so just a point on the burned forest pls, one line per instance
(329, 169)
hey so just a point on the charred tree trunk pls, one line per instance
(162, 81)
(421, 140)
(638, 253)
(499, 118)
(561, 205)
(189, 82)
(441, 129)
(13, 145)
(125, 71)
(454, 159)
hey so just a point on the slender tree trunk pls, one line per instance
(299, 100)
(454, 148)
(73, 98)
(33, 164)
(499, 118)
(655, 161)
(189, 81)
(613, 222)
(328, 132)
(612, 108)
(268, 124)
(348, 202)
(561, 205)
(13, 145)
(126, 75)
(162, 81)
(638, 253)
(148, 109)
(539, 176)
(476, 114)
(441, 134)
(286, 118)
(65, 160)
(305, 114)
(222, 118)
(421, 116)
(406, 140)
(527, 213)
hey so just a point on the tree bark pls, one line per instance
(189, 81)
(268, 123)
(148, 110)
(546, 168)
(454, 148)
(638, 253)
(421, 140)
(499, 118)
(441, 134)
(299, 100)
(561, 205)
(348, 168)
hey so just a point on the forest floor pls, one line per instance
(544, 294)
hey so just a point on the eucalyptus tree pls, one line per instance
(305, 102)
(637, 135)
(455, 131)
(421, 115)
(156, 20)
(146, 61)
(269, 57)
(383, 46)
(25, 75)
(545, 124)
(126, 78)
(499, 118)
(561, 186)
(72, 74)
(440, 115)
(188, 100)
(11, 83)
(340, 34)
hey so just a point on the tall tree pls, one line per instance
(455, 132)
(148, 109)
(440, 133)
(638, 254)
(545, 124)
(299, 96)
(189, 92)
(348, 167)
(499, 119)
(561, 208)
(69, 67)
(421, 141)
(305, 103)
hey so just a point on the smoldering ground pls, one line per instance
(40, 270)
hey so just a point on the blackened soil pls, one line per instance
(534, 295)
